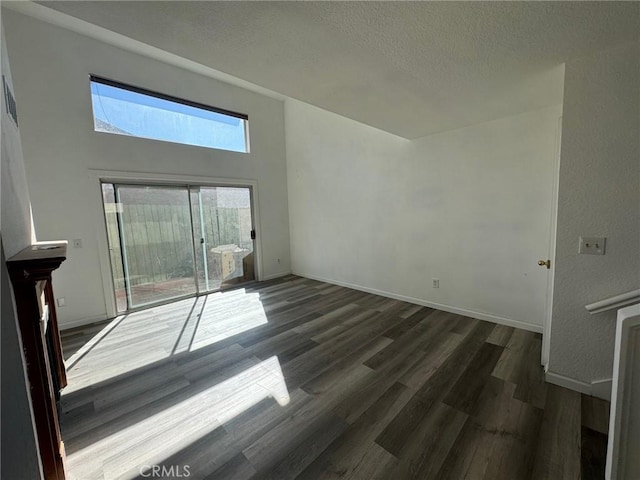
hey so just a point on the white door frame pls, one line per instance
(100, 176)
(546, 333)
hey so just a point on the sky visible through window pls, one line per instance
(121, 111)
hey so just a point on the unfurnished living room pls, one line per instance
(320, 240)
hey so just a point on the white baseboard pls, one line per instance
(598, 388)
(275, 275)
(602, 388)
(68, 324)
(568, 382)
(438, 306)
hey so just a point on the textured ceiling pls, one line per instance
(410, 68)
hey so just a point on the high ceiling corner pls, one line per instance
(409, 68)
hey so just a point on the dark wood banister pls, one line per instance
(30, 272)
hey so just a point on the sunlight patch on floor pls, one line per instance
(163, 434)
(143, 338)
(220, 320)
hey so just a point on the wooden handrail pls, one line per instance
(624, 429)
(615, 302)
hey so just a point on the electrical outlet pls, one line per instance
(592, 245)
(435, 282)
(60, 301)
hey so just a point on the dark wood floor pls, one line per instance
(299, 379)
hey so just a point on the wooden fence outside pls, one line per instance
(158, 239)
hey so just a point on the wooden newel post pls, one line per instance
(30, 272)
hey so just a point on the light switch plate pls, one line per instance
(592, 245)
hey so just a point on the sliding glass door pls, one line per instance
(168, 242)
(222, 229)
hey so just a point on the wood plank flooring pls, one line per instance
(295, 378)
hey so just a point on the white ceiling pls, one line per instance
(410, 68)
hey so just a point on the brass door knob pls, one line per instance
(545, 263)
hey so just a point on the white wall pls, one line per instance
(19, 449)
(599, 195)
(15, 203)
(470, 207)
(51, 67)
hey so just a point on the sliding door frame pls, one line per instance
(98, 177)
(121, 238)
